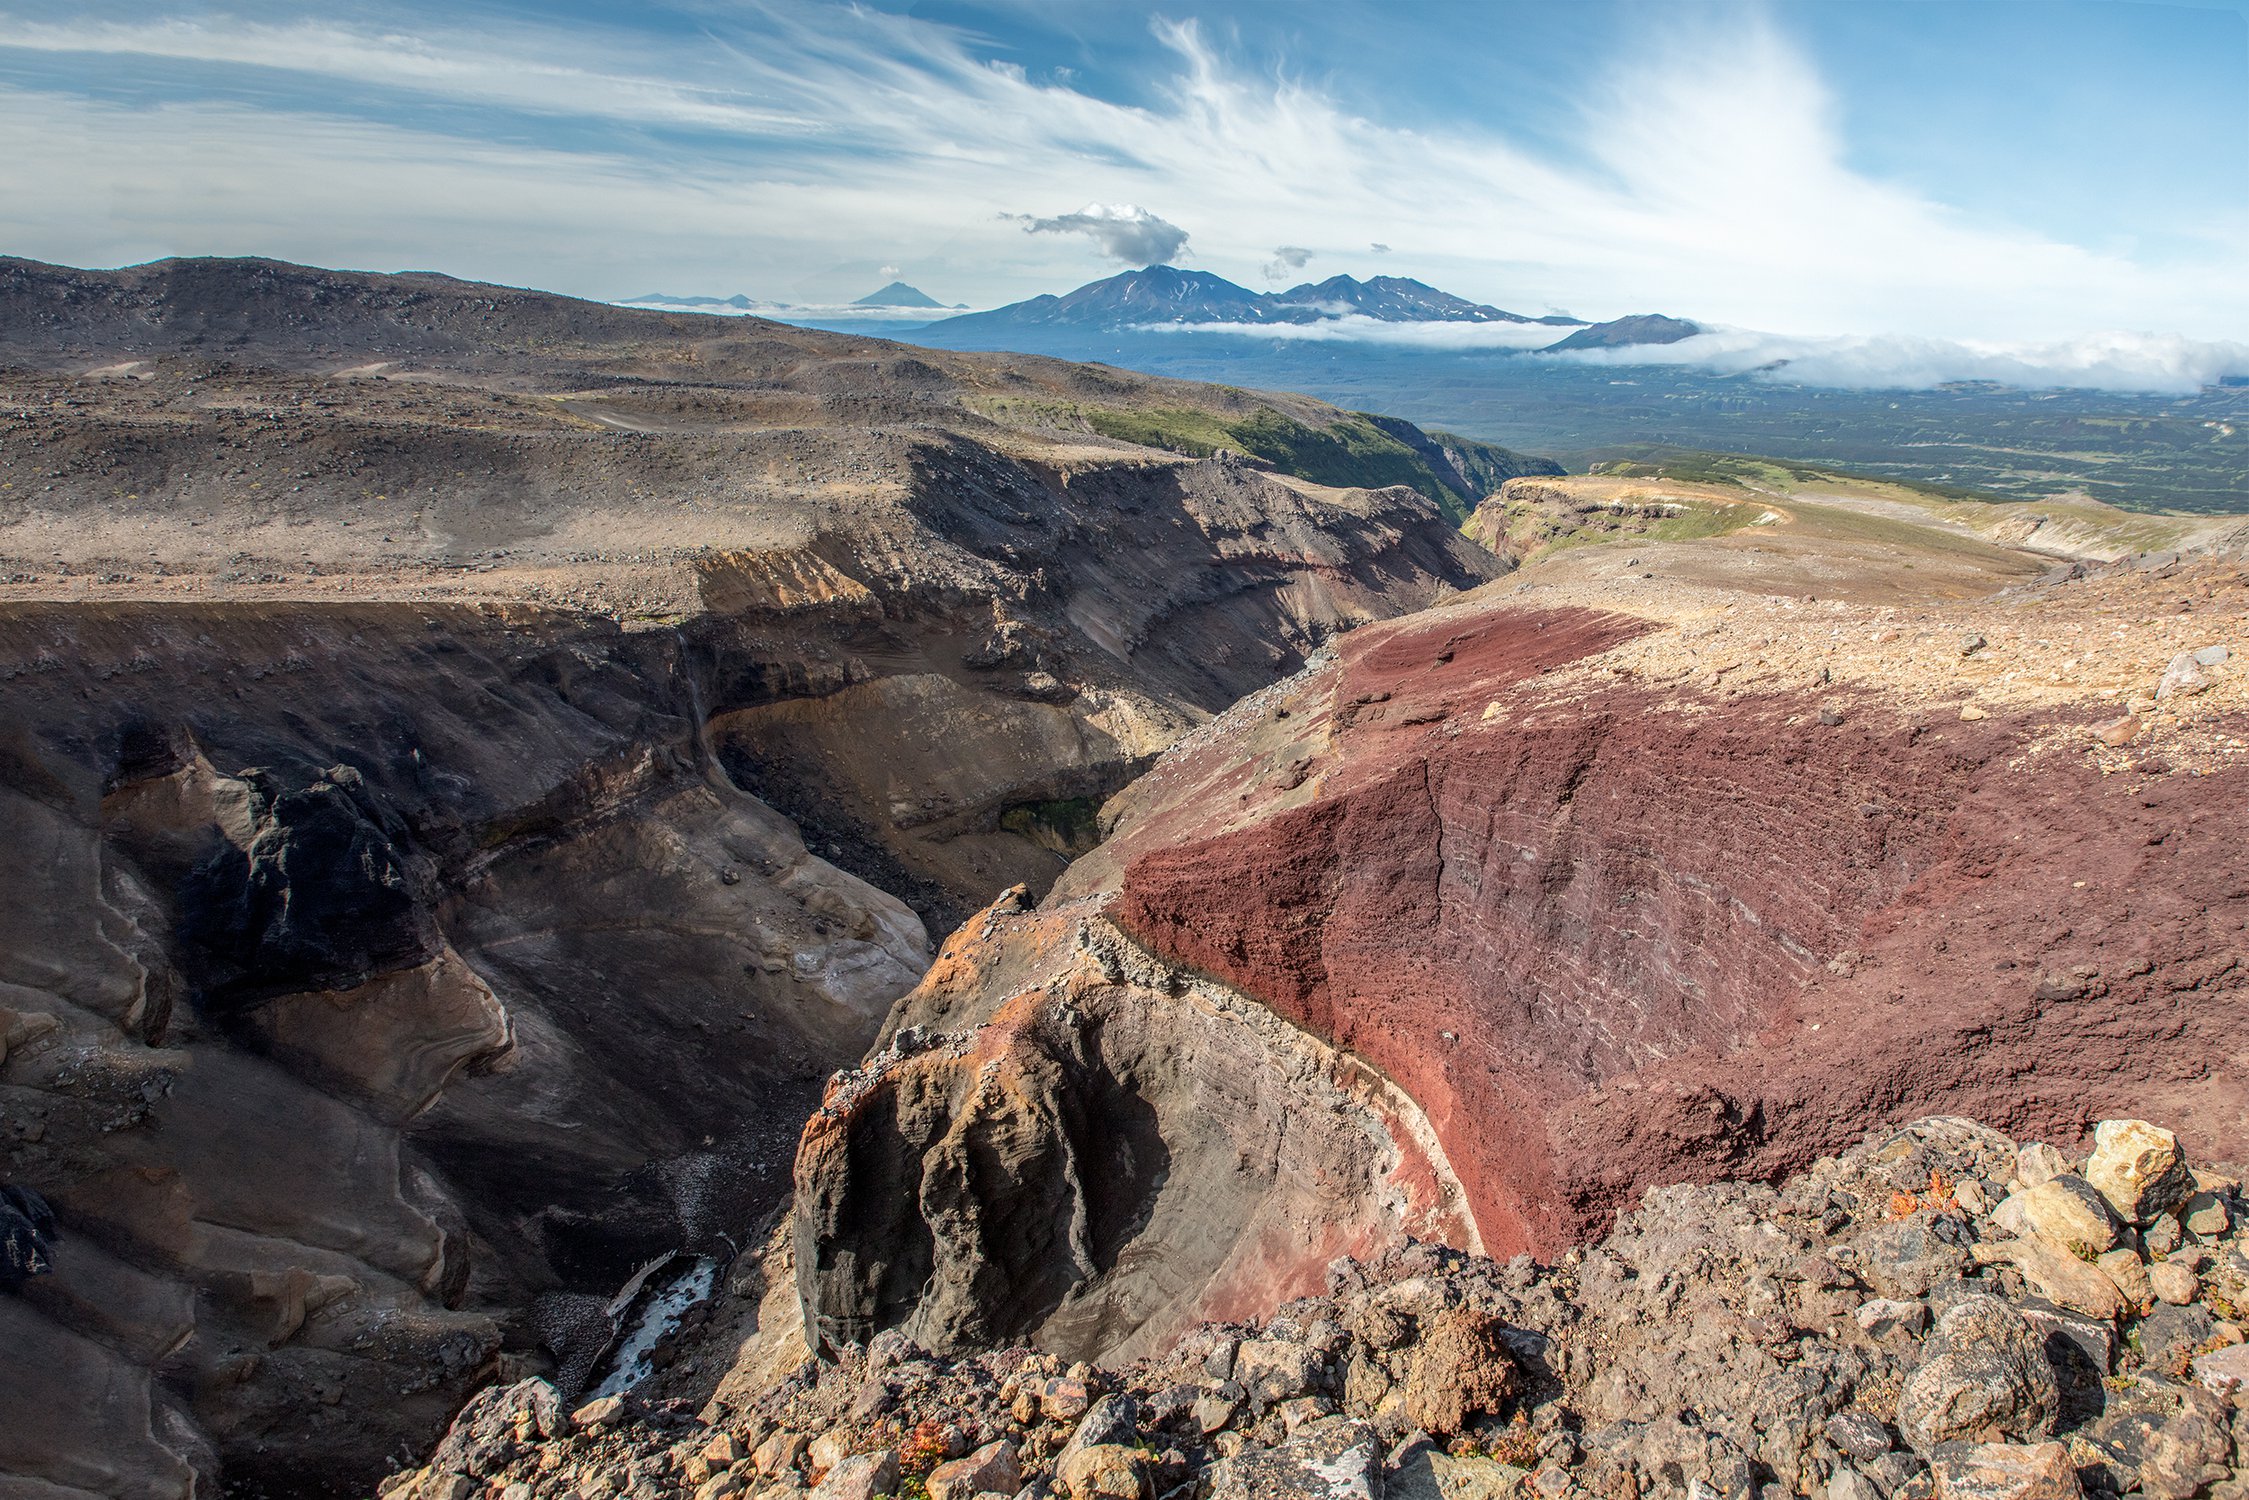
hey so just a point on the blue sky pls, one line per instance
(2007, 169)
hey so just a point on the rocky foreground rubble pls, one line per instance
(1940, 1312)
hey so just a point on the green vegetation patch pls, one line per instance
(1070, 827)
(1748, 472)
(1351, 453)
(1525, 530)
(1357, 450)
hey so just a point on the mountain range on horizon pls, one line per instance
(1163, 295)
(1157, 296)
(897, 295)
(1169, 294)
(667, 299)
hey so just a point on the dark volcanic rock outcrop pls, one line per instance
(1051, 1107)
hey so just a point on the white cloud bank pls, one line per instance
(801, 312)
(2164, 363)
(1358, 328)
(2137, 362)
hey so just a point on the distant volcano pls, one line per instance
(1166, 294)
(1642, 328)
(898, 294)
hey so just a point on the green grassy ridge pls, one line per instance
(1353, 452)
(2140, 530)
(1744, 469)
(1529, 530)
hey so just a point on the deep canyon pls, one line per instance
(505, 791)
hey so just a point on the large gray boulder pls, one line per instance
(1333, 1460)
(1986, 1378)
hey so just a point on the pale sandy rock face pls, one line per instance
(2066, 1210)
(2139, 1168)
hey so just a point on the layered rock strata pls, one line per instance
(375, 985)
(1066, 1140)
(476, 764)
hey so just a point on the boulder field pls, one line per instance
(1868, 1329)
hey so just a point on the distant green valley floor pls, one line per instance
(2141, 452)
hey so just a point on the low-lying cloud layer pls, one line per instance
(802, 312)
(1358, 328)
(2163, 363)
(1125, 232)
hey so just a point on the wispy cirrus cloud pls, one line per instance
(808, 146)
(515, 68)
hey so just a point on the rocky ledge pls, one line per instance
(1938, 1312)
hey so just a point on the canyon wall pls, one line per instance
(476, 767)
(381, 987)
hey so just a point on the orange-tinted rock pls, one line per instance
(1071, 1104)
(2117, 733)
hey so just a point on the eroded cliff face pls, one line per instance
(1065, 1140)
(1665, 890)
(1033, 635)
(1655, 935)
(385, 985)
(1621, 885)
(377, 988)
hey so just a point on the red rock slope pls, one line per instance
(1621, 899)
